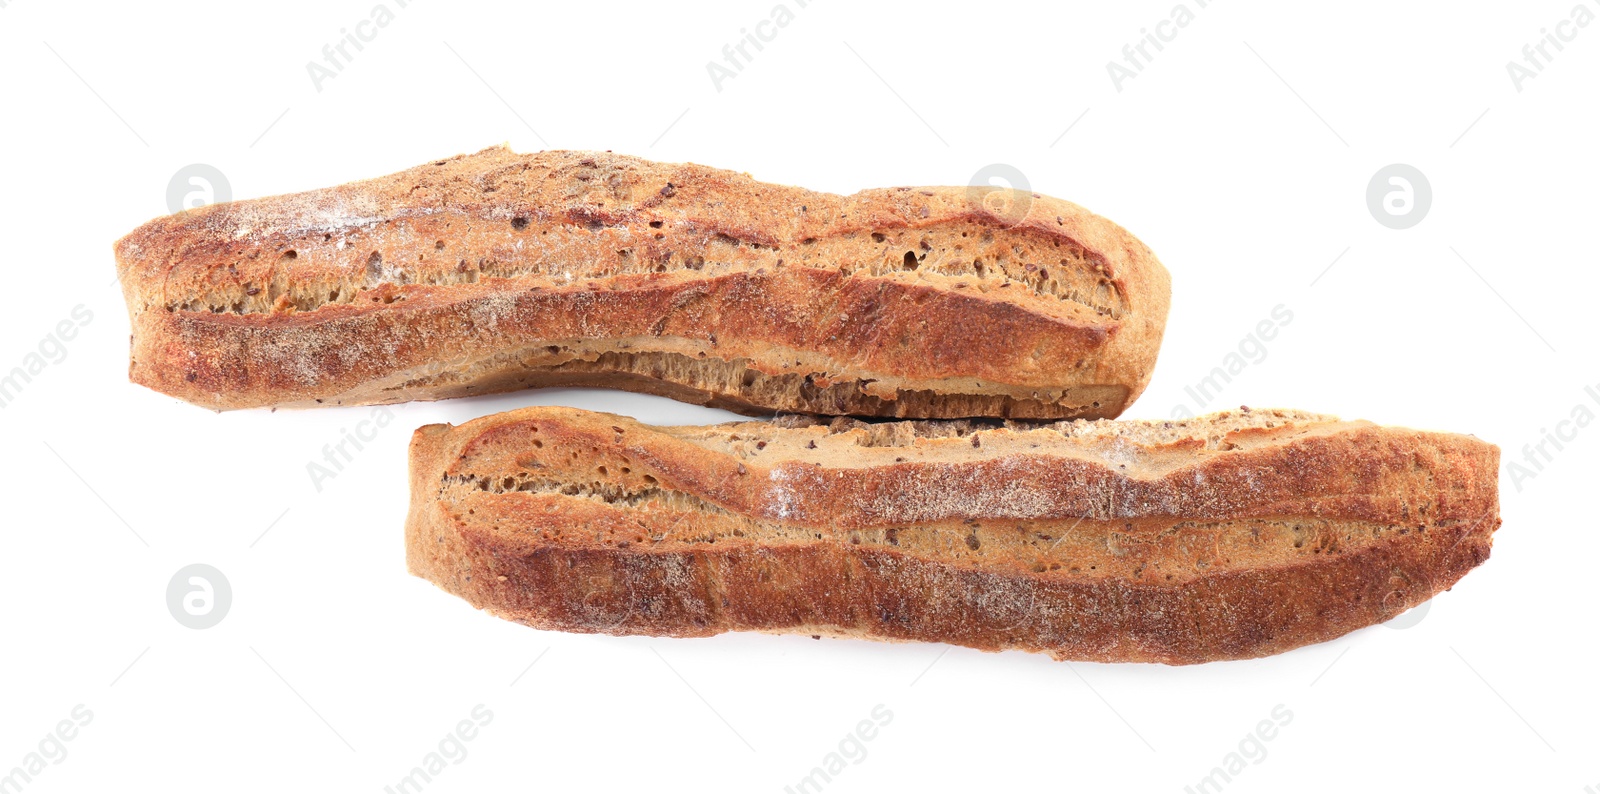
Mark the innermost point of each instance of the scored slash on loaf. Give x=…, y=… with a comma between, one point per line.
x=1230, y=536
x=499, y=271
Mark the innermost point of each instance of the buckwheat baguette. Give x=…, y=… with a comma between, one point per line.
x=499, y=271
x=1230, y=536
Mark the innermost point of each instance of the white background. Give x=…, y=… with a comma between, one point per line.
x=1241, y=154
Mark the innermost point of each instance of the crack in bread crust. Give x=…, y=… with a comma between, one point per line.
x=317, y=297
x=1228, y=536
x=947, y=254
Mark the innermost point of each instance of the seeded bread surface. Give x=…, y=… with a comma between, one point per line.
x=498, y=271
x=1230, y=536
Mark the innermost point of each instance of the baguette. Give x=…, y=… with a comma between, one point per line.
x=500, y=271
x=1231, y=536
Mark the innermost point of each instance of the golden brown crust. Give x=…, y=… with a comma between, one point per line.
x=498, y=271
x=1230, y=536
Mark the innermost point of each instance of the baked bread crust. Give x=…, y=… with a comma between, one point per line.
x=1230, y=536
x=498, y=271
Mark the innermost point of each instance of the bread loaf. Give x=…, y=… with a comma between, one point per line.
x=499, y=271
x=1230, y=536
